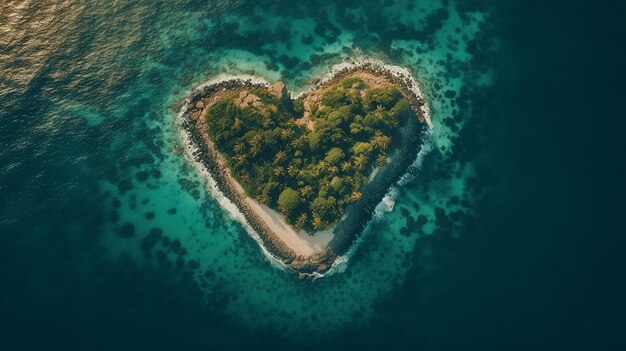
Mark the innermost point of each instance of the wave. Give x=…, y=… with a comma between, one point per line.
x=211, y=184
x=341, y=262
x=399, y=72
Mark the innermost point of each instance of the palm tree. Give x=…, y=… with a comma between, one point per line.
x=322, y=166
x=345, y=166
x=240, y=160
x=255, y=144
x=298, y=143
x=316, y=223
x=333, y=170
x=306, y=191
x=286, y=134
x=245, y=179
x=381, y=159
x=280, y=156
x=325, y=182
x=386, y=140
x=279, y=170
x=264, y=199
x=238, y=147
x=359, y=162
x=381, y=141
x=292, y=170
x=355, y=196
x=379, y=112
x=301, y=221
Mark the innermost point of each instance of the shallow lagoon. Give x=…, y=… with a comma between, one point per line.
x=140, y=214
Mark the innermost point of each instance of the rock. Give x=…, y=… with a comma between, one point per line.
x=251, y=99
x=302, y=276
x=272, y=66
x=404, y=211
x=421, y=220
x=200, y=104
x=124, y=186
x=456, y=215
x=321, y=268
x=156, y=233
x=127, y=230
x=410, y=222
x=278, y=89
x=142, y=176
x=175, y=245
x=165, y=241
x=449, y=94
x=296, y=264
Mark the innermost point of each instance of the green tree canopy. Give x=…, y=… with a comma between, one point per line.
x=308, y=171
x=334, y=156
x=383, y=96
x=288, y=201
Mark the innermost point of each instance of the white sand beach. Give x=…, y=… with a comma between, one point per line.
x=300, y=242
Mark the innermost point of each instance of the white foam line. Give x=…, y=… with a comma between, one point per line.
x=341, y=262
x=222, y=199
x=396, y=71
x=230, y=77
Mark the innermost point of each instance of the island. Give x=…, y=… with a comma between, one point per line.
x=307, y=172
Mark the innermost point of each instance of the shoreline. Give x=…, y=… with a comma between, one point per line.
x=262, y=223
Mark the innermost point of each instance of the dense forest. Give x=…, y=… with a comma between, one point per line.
x=309, y=175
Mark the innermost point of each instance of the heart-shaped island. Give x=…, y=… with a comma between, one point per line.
x=308, y=172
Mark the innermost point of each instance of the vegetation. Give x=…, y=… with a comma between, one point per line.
x=309, y=175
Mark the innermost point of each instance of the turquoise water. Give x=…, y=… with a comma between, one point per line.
x=261, y=296
x=116, y=88
x=106, y=224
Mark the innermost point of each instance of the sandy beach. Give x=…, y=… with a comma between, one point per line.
x=300, y=242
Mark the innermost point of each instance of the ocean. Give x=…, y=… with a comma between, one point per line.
x=504, y=235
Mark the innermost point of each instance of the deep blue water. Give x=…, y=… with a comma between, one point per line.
x=522, y=193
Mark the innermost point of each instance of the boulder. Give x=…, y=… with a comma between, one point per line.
x=278, y=90
x=321, y=268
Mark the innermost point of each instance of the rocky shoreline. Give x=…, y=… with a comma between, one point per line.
x=401, y=80
x=356, y=216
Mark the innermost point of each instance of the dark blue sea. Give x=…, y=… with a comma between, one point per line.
x=509, y=234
